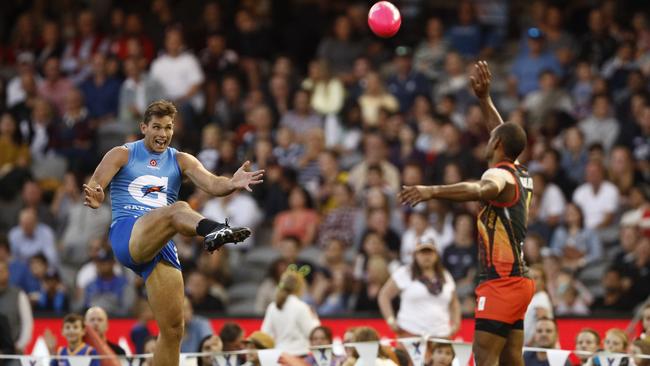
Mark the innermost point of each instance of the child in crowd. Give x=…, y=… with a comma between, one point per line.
x=588, y=340
x=615, y=341
x=288, y=151
x=73, y=331
x=442, y=354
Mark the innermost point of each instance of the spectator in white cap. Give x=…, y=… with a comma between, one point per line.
x=429, y=304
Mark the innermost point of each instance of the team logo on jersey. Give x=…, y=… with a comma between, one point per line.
x=152, y=189
x=149, y=190
x=153, y=162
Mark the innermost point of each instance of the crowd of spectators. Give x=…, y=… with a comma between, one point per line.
x=339, y=119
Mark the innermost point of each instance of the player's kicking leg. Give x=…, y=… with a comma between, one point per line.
x=152, y=231
x=150, y=235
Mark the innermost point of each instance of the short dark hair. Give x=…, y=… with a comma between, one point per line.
x=39, y=257
x=159, y=108
x=73, y=318
x=513, y=138
x=230, y=332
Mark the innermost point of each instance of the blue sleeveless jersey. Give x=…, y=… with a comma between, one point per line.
x=148, y=181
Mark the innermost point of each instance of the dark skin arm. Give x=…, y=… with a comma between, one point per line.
x=460, y=192
x=492, y=187
x=486, y=189
x=480, y=81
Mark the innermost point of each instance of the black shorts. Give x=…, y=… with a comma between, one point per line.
x=497, y=327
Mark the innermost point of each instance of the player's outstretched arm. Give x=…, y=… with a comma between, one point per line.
x=480, y=80
x=216, y=185
x=111, y=163
x=488, y=188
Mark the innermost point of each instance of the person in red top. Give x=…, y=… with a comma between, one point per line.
x=505, y=191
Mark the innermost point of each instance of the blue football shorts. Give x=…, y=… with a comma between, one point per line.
x=119, y=236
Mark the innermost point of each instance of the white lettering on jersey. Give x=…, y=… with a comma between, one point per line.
x=526, y=182
x=481, y=303
x=149, y=190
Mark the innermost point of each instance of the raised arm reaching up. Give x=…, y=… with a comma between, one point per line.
x=480, y=81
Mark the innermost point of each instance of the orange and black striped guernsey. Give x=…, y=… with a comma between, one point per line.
x=502, y=229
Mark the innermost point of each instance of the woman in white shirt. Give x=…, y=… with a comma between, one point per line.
x=429, y=305
x=288, y=319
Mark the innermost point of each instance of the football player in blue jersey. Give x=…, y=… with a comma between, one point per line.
x=145, y=177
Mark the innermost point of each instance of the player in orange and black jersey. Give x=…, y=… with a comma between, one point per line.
x=504, y=191
x=502, y=227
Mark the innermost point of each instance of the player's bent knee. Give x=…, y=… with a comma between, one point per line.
x=173, y=330
x=176, y=208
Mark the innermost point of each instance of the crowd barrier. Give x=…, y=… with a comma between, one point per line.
x=415, y=346
x=120, y=328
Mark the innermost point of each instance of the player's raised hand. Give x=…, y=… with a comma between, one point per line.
x=93, y=196
x=244, y=179
x=480, y=79
x=412, y=195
